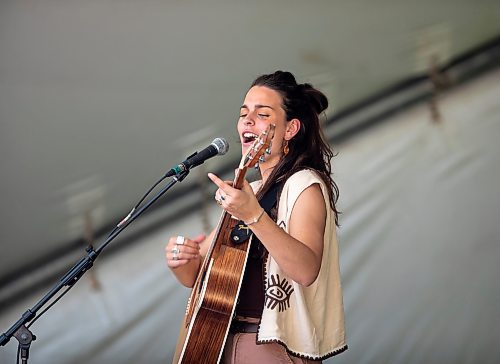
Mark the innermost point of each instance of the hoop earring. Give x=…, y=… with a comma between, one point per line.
x=286, y=149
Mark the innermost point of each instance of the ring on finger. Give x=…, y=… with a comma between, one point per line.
x=222, y=197
x=175, y=253
x=180, y=240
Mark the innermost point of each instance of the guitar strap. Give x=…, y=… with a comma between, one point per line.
x=241, y=232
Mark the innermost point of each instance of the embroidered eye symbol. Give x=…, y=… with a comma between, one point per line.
x=278, y=293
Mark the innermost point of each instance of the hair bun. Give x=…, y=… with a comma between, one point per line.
x=316, y=98
x=295, y=96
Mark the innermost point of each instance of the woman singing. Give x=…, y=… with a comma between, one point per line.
x=290, y=304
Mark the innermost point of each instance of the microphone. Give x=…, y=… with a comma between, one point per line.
x=218, y=146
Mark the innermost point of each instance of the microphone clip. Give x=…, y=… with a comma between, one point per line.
x=184, y=166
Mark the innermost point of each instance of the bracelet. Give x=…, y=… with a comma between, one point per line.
x=256, y=219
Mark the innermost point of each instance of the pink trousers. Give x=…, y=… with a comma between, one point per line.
x=241, y=348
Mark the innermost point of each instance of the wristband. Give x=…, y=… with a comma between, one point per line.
x=256, y=219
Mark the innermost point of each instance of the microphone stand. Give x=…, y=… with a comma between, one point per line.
x=20, y=330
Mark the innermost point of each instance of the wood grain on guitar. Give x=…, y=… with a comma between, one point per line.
x=213, y=298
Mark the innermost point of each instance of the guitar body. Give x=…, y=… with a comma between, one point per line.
x=211, y=305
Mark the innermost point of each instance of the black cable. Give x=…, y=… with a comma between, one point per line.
x=49, y=306
x=137, y=205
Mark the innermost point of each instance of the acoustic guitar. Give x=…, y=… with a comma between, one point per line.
x=211, y=306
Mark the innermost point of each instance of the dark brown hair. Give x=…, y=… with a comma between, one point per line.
x=308, y=148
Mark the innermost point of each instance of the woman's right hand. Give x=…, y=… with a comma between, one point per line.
x=180, y=250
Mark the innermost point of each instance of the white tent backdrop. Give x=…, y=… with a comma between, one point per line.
x=419, y=253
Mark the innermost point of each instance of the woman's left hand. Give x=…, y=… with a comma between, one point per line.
x=242, y=204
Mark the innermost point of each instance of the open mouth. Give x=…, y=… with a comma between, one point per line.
x=249, y=137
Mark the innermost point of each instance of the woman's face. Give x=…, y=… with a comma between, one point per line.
x=263, y=106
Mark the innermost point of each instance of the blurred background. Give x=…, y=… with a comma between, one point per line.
x=98, y=99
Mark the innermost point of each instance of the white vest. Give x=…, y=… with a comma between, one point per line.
x=308, y=321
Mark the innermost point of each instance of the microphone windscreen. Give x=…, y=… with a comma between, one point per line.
x=221, y=145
